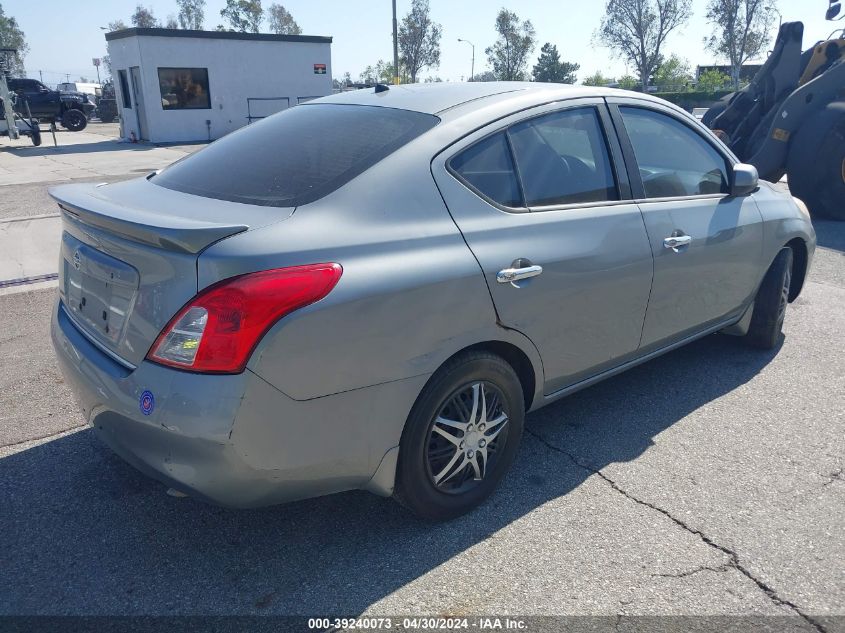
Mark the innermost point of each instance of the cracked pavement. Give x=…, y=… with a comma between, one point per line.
x=706, y=482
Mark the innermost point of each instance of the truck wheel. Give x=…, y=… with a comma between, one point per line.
x=713, y=112
x=74, y=120
x=816, y=163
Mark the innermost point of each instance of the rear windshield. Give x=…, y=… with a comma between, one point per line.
x=296, y=156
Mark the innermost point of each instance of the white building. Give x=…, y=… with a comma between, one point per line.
x=177, y=85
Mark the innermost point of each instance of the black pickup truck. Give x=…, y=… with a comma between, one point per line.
x=70, y=109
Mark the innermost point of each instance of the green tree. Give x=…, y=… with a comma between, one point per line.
x=549, y=68
x=191, y=14
x=627, y=82
x=740, y=30
x=281, y=21
x=11, y=36
x=509, y=55
x=117, y=25
x=381, y=73
x=597, y=79
x=143, y=18
x=243, y=16
x=419, y=39
x=172, y=22
x=712, y=80
x=673, y=73
x=487, y=75
x=636, y=30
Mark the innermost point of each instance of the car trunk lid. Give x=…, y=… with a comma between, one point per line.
x=129, y=257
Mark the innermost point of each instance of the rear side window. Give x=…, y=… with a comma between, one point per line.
x=563, y=159
x=487, y=167
x=674, y=160
x=297, y=156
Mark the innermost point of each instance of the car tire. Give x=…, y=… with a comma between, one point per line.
x=816, y=163
x=770, y=303
x=74, y=120
x=437, y=478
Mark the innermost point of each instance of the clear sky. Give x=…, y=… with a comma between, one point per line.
x=63, y=37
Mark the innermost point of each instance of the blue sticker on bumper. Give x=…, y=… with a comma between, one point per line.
x=147, y=402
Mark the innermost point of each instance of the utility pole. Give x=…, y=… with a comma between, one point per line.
x=41, y=76
x=472, y=71
x=395, y=47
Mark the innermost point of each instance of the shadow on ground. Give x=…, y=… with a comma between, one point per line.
x=84, y=533
x=106, y=145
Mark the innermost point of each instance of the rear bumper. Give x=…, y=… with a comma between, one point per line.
x=232, y=440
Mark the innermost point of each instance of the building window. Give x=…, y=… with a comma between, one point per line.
x=184, y=88
x=124, y=89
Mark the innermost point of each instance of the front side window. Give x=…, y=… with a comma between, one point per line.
x=563, y=159
x=488, y=168
x=184, y=88
x=673, y=159
x=296, y=156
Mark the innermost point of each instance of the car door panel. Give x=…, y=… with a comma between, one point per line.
x=680, y=179
x=585, y=312
x=709, y=280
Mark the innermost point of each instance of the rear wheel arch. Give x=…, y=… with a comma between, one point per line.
x=529, y=375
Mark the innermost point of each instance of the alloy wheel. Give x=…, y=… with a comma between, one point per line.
x=784, y=295
x=465, y=436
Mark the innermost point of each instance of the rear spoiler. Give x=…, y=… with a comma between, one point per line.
x=165, y=231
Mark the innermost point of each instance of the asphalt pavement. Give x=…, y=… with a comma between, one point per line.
x=706, y=482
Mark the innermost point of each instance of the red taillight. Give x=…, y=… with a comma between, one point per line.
x=218, y=329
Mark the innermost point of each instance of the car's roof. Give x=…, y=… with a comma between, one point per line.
x=436, y=98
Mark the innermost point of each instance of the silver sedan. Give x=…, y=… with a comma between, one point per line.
x=371, y=290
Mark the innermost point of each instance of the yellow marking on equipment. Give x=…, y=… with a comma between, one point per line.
x=780, y=135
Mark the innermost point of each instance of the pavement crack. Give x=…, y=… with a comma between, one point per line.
x=733, y=557
x=836, y=475
x=697, y=570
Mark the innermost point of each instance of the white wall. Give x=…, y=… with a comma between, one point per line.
x=237, y=69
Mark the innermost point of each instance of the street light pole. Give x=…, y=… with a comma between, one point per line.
x=472, y=68
x=395, y=48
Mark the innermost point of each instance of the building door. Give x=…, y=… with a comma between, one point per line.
x=140, y=112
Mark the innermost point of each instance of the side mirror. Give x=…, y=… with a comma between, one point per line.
x=745, y=179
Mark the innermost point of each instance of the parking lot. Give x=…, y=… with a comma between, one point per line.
x=706, y=482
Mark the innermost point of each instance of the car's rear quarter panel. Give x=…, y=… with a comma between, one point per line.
x=411, y=294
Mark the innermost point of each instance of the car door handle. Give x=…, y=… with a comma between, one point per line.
x=509, y=275
x=676, y=241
